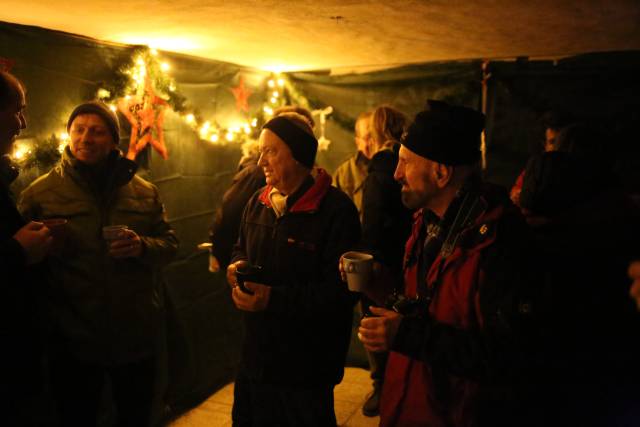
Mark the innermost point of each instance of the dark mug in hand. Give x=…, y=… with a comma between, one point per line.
x=248, y=273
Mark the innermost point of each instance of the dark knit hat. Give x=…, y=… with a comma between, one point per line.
x=302, y=144
x=101, y=109
x=447, y=134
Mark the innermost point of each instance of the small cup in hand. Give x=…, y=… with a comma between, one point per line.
x=248, y=273
x=58, y=229
x=359, y=268
x=113, y=232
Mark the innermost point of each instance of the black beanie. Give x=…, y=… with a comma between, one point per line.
x=101, y=109
x=303, y=145
x=446, y=134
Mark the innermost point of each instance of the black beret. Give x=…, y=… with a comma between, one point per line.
x=447, y=134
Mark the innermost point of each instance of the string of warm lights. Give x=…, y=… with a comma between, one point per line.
x=146, y=71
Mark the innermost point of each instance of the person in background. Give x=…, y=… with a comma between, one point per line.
x=248, y=179
x=22, y=246
x=554, y=122
x=586, y=230
x=634, y=274
x=386, y=222
x=297, y=312
x=454, y=330
x=350, y=175
x=104, y=295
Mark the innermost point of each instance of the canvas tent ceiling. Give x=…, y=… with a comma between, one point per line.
x=345, y=34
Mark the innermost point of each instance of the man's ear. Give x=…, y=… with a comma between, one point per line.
x=443, y=174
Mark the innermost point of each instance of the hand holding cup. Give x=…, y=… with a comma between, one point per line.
x=122, y=242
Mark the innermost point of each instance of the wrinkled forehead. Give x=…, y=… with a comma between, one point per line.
x=88, y=119
x=269, y=139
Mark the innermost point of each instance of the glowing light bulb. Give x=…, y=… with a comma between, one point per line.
x=153, y=52
x=63, y=136
x=113, y=108
x=165, y=66
x=229, y=136
x=271, y=83
x=103, y=93
x=268, y=110
x=140, y=61
x=275, y=94
x=274, y=100
x=214, y=137
x=190, y=118
x=20, y=151
x=254, y=122
x=281, y=82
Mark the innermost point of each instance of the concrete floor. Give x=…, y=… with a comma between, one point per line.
x=349, y=396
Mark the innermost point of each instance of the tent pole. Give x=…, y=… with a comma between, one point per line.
x=485, y=79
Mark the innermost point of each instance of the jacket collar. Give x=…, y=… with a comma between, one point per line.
x=310, y=200
x=119, y=169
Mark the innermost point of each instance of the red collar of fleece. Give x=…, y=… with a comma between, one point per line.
x=310, y=200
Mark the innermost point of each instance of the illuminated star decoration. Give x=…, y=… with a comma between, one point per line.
x=242, y=96
x=146, y=116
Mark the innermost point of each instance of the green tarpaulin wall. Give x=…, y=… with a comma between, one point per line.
x=203, y=329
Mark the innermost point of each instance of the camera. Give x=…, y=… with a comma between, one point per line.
x=248, y=273
x=406, y=306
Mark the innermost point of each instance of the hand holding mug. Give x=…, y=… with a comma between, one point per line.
x=125, y=244
x=35, y=239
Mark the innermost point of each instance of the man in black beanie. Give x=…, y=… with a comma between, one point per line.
x=297, y=312
x=451, y=331
x=104, y=304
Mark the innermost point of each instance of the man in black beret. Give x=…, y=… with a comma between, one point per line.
x=466, y=272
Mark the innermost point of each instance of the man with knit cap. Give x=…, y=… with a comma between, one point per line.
x=451, y=331
x=297, y=311
x=103, y=300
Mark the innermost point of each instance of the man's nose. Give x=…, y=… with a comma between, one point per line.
x=23, y=121
x=86, y=136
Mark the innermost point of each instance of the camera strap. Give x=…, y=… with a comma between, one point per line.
x=461, y=214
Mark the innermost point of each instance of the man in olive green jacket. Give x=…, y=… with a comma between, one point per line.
x=104, y=301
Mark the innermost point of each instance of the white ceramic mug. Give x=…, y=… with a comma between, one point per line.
x=359, y=267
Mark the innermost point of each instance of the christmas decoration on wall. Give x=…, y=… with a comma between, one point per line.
x=145, y=113
x=323, y=143
x=242, y=96
x=39, y=153
x=142, y=90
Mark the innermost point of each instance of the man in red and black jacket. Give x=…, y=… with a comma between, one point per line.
x=297, y=310
x=459, y=332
